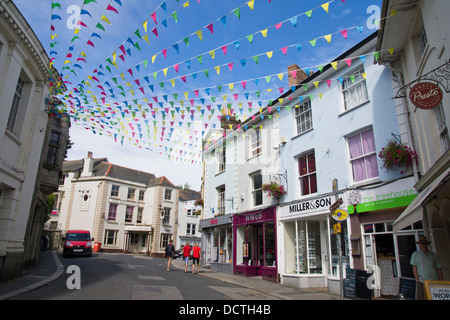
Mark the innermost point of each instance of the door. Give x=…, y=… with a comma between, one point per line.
x=134, y=242
x=405, y=246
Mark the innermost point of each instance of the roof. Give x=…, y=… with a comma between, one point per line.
x=189, y=194
x=75, y=165
x=160, y=181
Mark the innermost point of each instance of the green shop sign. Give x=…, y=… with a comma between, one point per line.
x=394, y=195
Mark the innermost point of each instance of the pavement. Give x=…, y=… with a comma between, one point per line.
x=50, y=268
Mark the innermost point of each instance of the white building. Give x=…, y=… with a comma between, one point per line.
x=124, y=209
x=32, y=144
x=189, y=215
x=418, y=32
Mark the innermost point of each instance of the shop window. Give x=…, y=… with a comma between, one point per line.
x=334, y=241
x=222, y=245
x=363, y=156
x=307, y=173
x=303, y=247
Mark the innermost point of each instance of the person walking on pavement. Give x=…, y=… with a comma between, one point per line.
x=186, y=255
x=196, y=257
x=426, y=266
x=170, y=250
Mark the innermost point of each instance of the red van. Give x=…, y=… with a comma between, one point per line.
x=77, y=242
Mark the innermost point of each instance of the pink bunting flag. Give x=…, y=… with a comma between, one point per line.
x=224, y=49
x=196, y=93
x=235, y=95
x=176, y=67
x=130, y=71
x=122, y=48
x=294, y=74
x=155, y=31
x=244, y=84
x=183, y=78
x=90, y=43
x=230, y=66
x=111, y=8
x=281, y=89
x=349, y=62
x=278, y=26
x=344, y=33
x=328, y=83
x=164, y=52
x=154, y=17
x=210, y=28
x=142, y=90
x=284, y=50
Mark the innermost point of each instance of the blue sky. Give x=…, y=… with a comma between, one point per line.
x=269, y=26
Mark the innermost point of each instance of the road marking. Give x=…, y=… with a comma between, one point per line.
x=147, y=292
x=141, y=277
x=242, y=293
x=130, y=266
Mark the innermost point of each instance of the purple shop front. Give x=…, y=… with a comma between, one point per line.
x=254, y=244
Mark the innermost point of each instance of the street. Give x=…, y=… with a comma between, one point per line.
x=134, y=277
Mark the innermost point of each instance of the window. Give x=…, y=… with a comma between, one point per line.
x=307, y=173
x=112, y=214
x=15, y=105
x=257, y=189
x=168, y=194
x=256, y=143
x=221, y=200
x=442, y=127
x=222, y=158
x=166, y=219
x=115, y=191
x=354, y=90
x=141, y=195
x=62, y=178
x=190, y=229
x=53, y=148
x=139, y=215
x=189, y=212
x=111, y=237
x=363, y=156
x=420, y=42
x=131, y=193
x=303, y=117
x=129, y=214
x=164, y=240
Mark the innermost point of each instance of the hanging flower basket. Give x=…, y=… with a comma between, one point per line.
x=394, y=154
x=199, y=202
x=275, y=190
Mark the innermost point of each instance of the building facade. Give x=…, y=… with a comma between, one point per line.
x=417, y=32
x=189, y=216
x=32, y=143
x=124, y=209
x=333, y=132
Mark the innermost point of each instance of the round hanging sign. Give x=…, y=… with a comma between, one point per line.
x=426, y=95
x=340, y=215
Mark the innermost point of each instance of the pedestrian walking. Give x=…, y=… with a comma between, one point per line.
x=426, y=266
x=186, y=255
x=170, y=250
x=196, y=257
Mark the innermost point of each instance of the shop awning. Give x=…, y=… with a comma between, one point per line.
x=414, y=212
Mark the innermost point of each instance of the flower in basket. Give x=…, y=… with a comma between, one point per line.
x=394, y=154
x=275, y=190
x=198, y=202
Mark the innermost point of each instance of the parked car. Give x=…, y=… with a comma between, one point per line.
x=178, y=254
x=77, y=242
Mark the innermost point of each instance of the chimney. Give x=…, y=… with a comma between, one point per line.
x=228, y=117
x=300, y=75
x=88, y=166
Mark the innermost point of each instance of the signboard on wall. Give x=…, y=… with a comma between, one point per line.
x=399, y=193
x=426, y=95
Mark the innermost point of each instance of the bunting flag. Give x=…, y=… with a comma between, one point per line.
x=146, y=104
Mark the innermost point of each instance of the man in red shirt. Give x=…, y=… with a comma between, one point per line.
x=196, y=257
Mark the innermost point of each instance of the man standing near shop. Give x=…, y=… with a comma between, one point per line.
x=426, y=266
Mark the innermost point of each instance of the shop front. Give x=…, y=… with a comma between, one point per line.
x=308, y=254
x=376, y=248
x=255, y=247
x=216, y=243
